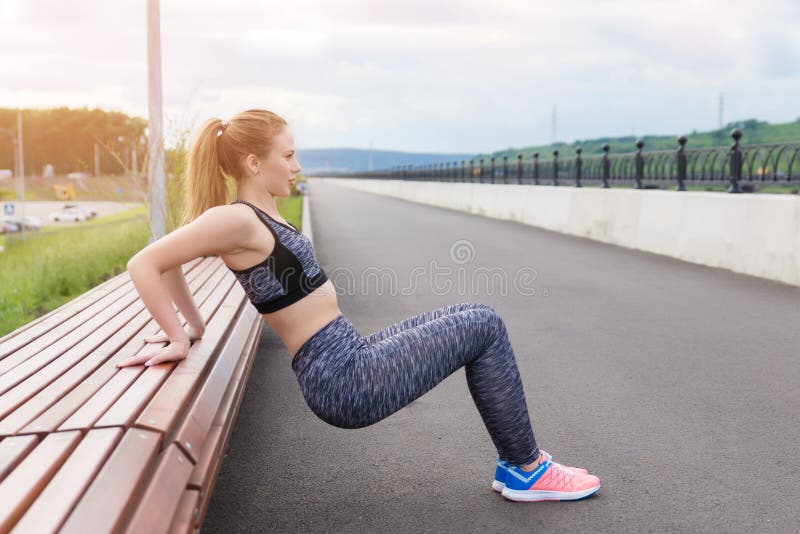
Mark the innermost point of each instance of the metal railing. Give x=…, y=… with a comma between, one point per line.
x=736, y=165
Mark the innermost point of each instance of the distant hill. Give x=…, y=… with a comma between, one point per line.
x=753, y=132
x=321, y=160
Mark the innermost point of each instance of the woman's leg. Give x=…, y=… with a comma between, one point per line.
x=361, y=386
x=423, y=317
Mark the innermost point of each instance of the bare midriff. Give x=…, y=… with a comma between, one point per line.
x=296, y=323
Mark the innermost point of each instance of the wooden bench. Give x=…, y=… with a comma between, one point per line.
x=86, y=447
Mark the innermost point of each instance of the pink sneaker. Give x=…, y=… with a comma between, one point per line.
x=501, y=471
x=548, y=482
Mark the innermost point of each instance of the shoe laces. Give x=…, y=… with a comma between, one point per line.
x=562, y=473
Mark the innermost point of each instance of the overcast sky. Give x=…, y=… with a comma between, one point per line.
x=417, y=75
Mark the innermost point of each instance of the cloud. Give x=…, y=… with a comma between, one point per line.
x=429, y=76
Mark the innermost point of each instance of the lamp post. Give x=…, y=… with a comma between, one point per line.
x=156, y=177
x=19, y=167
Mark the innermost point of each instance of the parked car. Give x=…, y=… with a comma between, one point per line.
x=68, y=214
x=29, y=221
x=8, y=227
x=88, y=211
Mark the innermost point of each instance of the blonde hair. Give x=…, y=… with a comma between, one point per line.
x=218, y=150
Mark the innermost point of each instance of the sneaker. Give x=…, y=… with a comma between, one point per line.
x=548, y=482
x=502, y=468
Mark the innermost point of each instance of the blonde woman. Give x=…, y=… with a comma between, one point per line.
x=348, y=380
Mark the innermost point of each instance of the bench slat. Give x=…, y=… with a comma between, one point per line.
x=57, y=500
x=28, y=479
x=159, y=503
x=116, y=485
x=192, y=432
x=186, y=515
x=206, y=469
x=13, y=450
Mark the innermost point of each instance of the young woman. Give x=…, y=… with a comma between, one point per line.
x=348, y=380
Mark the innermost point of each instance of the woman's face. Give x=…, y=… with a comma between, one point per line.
x=278, y=169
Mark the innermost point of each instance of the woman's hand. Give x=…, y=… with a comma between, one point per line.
x=193, y=332
x=176, y=350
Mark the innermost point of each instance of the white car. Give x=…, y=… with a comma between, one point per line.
x=68, y=214
x=31, y=222
x=90, y=213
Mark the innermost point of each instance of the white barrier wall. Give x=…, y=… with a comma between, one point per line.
x=757, y=234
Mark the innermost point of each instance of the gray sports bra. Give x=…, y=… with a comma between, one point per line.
x=290, y=273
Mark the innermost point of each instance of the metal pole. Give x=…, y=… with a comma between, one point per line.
x=156, y=178
x=21, y=159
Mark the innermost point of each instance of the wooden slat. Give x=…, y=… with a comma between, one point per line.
x=54, y=504
x=28, y=479
x=57, y=397
x=111, y=495
x=206, y=469
x=196, y=423
x=13, y=450
x=186, y=515
x=159, y=503
x=169, y=402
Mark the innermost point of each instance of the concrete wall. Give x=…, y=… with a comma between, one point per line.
x=757, y=234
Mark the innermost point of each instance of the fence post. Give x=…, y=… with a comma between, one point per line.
x=555, y=167
x=481, y=173
x=519, y=168
x=471, y=170
x=606, y=166
x=736, y=162
x=492, y=174
x=536, y=168
x=505, y=168
x=681, y=164
x=578, y=167
x=639, y=164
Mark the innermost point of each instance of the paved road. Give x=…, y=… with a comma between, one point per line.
x=677, y=384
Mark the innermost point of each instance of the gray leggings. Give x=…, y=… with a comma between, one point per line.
x=352, y=381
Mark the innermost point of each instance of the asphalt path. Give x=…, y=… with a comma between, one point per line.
x=677, y=384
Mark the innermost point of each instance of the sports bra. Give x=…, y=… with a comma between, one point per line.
x=288, y=274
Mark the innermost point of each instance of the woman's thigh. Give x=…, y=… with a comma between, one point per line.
x=372, y=381
x=421, y=318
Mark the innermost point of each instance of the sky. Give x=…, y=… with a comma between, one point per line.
x=418, y=75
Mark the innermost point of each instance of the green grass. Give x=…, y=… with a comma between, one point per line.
x=291, y=209
x=53, y=266
x=57, y=264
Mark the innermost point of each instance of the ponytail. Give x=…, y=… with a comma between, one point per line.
x=204, y=183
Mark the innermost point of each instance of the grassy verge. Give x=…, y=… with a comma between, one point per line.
x=58, y=263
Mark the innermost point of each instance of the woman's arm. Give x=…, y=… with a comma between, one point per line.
x=217, y=230
x=182, y=297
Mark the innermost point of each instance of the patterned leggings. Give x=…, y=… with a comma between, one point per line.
x=352, y=381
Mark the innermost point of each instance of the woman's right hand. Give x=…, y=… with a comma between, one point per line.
x=193, y=333
x=175, y=351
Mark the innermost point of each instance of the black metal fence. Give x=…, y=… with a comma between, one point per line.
x=737, y=165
